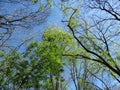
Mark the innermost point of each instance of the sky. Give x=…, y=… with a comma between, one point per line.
x=54, y=19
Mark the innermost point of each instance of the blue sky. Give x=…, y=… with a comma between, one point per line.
x=54, y=19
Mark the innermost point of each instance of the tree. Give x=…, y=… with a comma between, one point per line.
x=40, y=67
x=95, y=39
x=22, y=18
x=55, y=43
x=90, y=50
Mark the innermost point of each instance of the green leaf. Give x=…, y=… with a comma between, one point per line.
x=34, y=1
x=1, y=54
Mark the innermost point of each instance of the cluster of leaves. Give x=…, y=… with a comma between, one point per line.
x=43, y=3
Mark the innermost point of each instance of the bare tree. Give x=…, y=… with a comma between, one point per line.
x=18, y=15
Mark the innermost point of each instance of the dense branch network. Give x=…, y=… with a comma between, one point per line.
x=21, y=18
x=101, y=59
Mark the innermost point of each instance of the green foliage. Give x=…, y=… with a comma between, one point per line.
x=56, y=42
x=50, y=3
x=41, y=65
x=1, y=54
x=42, y=3
x=42, y=6
x=34, y=1
x=34, y=67
x=74, y=23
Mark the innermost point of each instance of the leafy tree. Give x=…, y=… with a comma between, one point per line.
x=55, y=43
x=40, y=66
x=95, y=40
